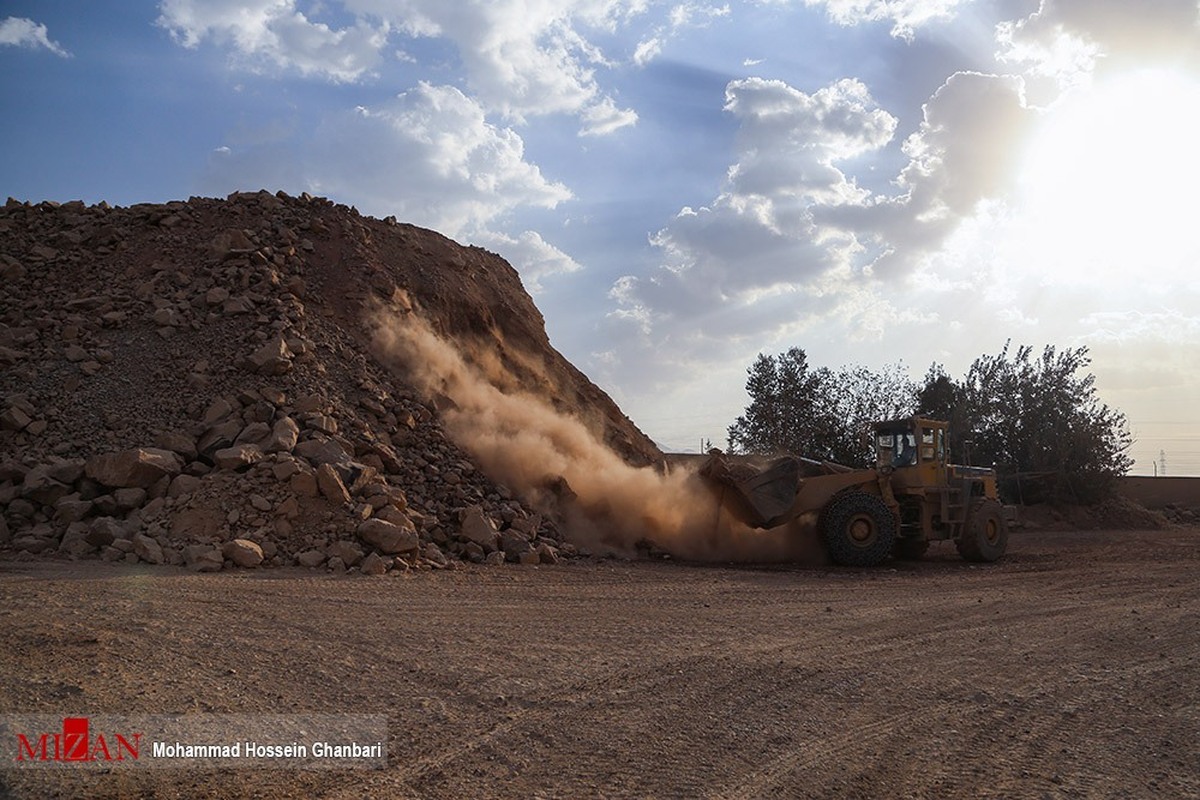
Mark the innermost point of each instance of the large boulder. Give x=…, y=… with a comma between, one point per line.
x=104, y=530
x=71, y=509
x=283, y=436
x=253, y=433
x=40, y=487
x=238, y=457
x=139, y=468
x=330, y=484
x=322, y=450
x=182, y=485
x=434, y=553
x=515, y=545
x=374, y=565
x=243, y=552
x=147, y=549
x=179, y=443
x=203, y=558
x=218, y=437
x=67, y=472
x=478, y=528
x=229, y=243
x=311, y=558
x=388, y=537
x=14, y=419
x=273, y=358
x=219, y=409
x=129, y=498
x=348, y=552
x=74, y=541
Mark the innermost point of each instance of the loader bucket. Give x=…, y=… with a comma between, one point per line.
x=758, y=497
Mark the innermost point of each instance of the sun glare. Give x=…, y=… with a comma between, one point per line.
x=1111, y=179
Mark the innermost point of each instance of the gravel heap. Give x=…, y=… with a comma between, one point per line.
x=191, y=383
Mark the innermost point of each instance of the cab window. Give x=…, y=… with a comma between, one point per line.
x=927, y=444
x=906, y=450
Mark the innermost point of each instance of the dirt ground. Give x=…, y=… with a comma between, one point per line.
x=1071, y=669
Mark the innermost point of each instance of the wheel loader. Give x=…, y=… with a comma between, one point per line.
x=911, y=497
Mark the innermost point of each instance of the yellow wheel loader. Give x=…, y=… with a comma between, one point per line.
x=911, y=497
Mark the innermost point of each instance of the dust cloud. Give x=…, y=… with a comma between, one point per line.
x=557, y=465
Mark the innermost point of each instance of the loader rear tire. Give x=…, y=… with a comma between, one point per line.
x=859, y=529
x=985, y=534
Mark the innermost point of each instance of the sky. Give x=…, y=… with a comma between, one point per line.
x=685, y=184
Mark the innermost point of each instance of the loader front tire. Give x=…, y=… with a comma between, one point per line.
x=859, y=529
x=985, y=535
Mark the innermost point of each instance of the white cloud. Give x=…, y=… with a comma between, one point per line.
x=695, y=14
x=966, y=147
x=648, y=50
x=604, y=117
x=1064, y=58
x=531, y=255
x=965, y=151
x=793, y=245
x=754, y=259
x=276, y=33
x=682, y=16
x=905, y=15
x=22, y=32
x=789, y=141
x=1167, y=327
x=522, y=58
x=1069, y=39
x=429, y=156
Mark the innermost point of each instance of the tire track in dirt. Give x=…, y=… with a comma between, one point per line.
x=1052, y=620
x=1076, y=661
x=765, y=781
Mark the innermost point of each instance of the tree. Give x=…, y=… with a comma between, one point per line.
x=787, y=411
x=1038, y=420
x=940, y=397
x=860, y=397
x=818, y=413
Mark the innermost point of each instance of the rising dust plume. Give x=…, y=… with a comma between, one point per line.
x=520, y=441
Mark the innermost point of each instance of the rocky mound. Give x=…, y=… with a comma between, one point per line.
x=1116, y=513
x=1181, y=515
x=192, y=383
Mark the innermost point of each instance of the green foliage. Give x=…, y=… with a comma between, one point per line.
x=1036, y=419
x=819, y=413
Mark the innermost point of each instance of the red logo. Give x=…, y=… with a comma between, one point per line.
x=75, y=743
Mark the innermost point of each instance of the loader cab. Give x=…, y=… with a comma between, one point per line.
x=914, y=444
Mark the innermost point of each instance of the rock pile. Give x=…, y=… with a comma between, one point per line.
x=190, y=384
x=1180, y=514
